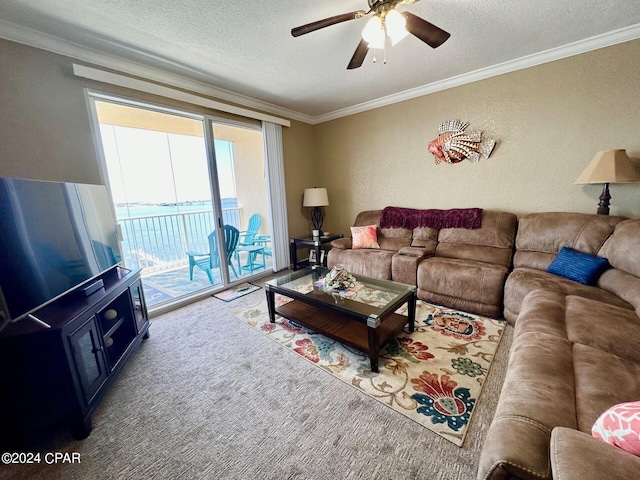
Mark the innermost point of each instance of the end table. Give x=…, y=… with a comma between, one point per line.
x=314, y=242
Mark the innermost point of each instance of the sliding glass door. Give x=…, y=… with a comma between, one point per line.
x=184, y=189
x=242, y=183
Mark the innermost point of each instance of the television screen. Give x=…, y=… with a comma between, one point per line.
x=53, y=237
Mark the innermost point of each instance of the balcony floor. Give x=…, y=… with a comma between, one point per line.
x=170, y=284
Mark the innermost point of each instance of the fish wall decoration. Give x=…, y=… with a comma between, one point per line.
x=452, y=145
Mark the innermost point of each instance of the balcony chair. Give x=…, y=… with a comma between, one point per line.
x=261, y=246
x=247, y=236
x=208, y=261
x=253, y=244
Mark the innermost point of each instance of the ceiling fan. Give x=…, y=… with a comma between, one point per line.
x=387, y=21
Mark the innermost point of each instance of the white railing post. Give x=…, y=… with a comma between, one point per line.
x=185, y=236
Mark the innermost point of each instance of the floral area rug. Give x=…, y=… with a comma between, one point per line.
x=433, y=375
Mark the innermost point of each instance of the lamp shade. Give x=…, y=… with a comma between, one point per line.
x=611, y=166
x=315, y=197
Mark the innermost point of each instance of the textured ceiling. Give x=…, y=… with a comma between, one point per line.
x=245, y=46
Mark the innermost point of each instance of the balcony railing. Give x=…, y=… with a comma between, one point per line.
x=159, y=242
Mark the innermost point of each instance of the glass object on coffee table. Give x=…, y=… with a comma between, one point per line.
x=362, y=317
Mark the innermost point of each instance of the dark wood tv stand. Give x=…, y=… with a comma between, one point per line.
x=53, y=377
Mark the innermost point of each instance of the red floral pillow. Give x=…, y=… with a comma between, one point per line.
x=364, y=237
x=620, y=426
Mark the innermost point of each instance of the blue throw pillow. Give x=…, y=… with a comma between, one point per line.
x=578, y=266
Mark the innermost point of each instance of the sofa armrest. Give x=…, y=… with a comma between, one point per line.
x=418, y=252
x=342, y=243
x=404, y=264
x=578, y=456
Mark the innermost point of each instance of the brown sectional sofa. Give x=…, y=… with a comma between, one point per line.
x=574, y=354
x=458, y=267
x=576, y=349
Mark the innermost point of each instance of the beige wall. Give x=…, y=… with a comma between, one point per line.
x=300, y=173
x=549, y=122
x=44, y=122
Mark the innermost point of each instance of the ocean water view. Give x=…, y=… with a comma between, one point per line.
x=157, y=236
x=147, y=210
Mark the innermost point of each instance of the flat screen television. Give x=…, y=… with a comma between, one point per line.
x=54, y=237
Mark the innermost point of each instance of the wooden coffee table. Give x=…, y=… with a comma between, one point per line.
x=363, y=319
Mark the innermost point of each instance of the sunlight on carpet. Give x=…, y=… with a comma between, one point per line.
x=433, y=375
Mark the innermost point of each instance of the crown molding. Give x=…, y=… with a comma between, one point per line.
x=33, y=38
x=53, y=44
x=593, y=43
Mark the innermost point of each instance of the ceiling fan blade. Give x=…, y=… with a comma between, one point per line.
x=359, y=55
x=327, y=22
x=425, y=31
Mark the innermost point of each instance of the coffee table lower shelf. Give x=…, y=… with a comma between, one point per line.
x=343, y=328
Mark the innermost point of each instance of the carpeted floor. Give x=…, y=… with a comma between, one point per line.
x=433, y=375
x=189, y=405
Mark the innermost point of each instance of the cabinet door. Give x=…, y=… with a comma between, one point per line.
x=88, y=356
x=139, y=305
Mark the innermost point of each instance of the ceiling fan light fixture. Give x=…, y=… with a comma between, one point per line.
x=395, y=25
x=373, y=33
x=386, y=22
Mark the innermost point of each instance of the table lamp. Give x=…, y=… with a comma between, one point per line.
x=611, y=166
x=316, y=198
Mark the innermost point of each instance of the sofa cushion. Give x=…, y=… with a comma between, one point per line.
x=578, y=266
x=368, y=217
x=622, y=284
x=601, y=381
x=620, y=426
x=368, y=262
x=531, y=404
x=541, y=236
x=341, y=243
x=578, y=456
x=364, y=237
x=523, y=280
x=491, y=243
x=608, y=328
x=621, y=249
x=464, y=284
x=404, y=265
x=623, y=246
x=424, y=237
x=394, y=239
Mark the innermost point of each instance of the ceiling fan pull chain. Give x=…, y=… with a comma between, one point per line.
x=384, y=56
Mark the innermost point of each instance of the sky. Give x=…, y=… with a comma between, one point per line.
x=156, y=167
